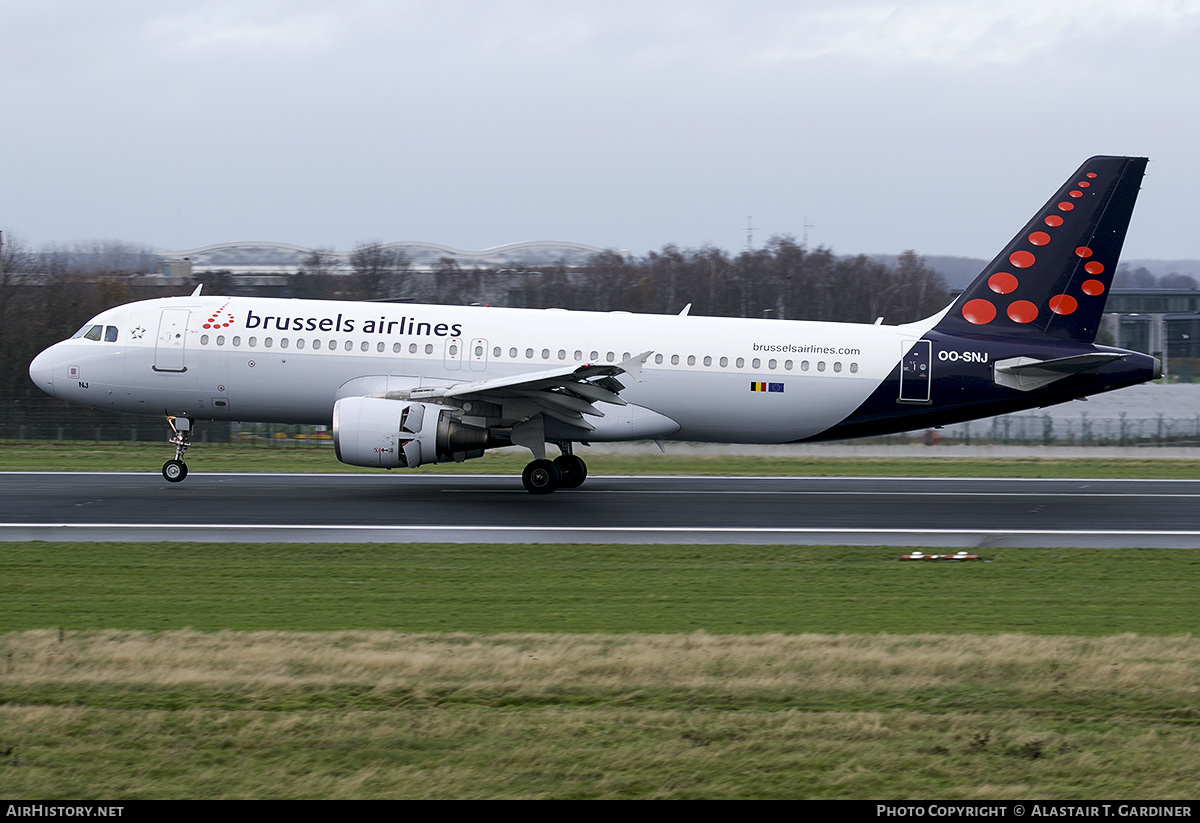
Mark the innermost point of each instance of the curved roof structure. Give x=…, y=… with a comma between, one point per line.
x=272, y=257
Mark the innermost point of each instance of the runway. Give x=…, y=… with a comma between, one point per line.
x=933, y=512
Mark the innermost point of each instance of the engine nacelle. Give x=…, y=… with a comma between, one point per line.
x=394, y=434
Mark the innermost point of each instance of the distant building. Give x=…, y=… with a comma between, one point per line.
x=1157, y=321
x=245, y=257
x=175, y=268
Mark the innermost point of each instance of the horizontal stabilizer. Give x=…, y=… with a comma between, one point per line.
x=1027, y=373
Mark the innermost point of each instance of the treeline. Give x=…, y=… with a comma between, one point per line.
x=782, y=280
x=1143, y=278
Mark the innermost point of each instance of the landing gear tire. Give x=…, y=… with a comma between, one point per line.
x=174, y=470
x=541, y=477
x=573, y=470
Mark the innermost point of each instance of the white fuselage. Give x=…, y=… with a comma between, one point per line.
x=259, y=359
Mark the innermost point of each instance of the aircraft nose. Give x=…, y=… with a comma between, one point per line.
x=41, y=371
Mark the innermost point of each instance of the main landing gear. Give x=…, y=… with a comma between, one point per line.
x=175, y=470
x=545, y=476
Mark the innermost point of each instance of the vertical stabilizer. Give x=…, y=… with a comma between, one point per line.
x=1053, y=279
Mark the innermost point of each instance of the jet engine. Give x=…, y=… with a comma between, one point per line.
x=388, y=434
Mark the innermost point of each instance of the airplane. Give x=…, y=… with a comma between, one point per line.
x=403, y=385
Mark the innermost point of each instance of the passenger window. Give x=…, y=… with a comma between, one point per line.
x=741, y=361
x=512, y=353
x=803, y=365
x=545, y=354
x=204, y=340
x=595, y=355
x=496, y=352
x=854, y=368
x=820, y=365
x=772, y=363
x=283, y=342
x=316, y=344
x=837, y=367
x=396, y=348
x=724, y=362
x=266, y=342
x=562, y=354
x=658, y=358
x=299, y=342
x=707, y=360
x=349, y=345
x=379, y=346
x=110, y=334
x=220, y=340
x=787, y=364
x=755, y=363
x=578, y=355
x=252, y=342
x=612, y=356
x=691, y=359
x=429, y=348
x=333, y=345
x=674, y=360
x=237, y=341
x=412, y=348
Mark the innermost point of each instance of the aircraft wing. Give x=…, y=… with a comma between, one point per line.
x=564, y=394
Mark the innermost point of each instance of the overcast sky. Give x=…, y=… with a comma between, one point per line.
x=936, y=125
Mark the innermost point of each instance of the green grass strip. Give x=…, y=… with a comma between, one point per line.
x=592, y=588
x=288, y=457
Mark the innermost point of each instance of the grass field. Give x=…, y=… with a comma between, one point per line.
x=209, y=670
x=341, y=671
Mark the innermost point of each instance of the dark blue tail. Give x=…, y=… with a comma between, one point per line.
x=1053, y=279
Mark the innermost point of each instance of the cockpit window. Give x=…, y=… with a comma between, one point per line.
x=97, y=332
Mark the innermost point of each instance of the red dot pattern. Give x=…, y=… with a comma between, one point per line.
x=1022, y=259
x=1002, y=283
x=215, y=321
x=1022, y=311
x=1063, y=304
x=980, y=311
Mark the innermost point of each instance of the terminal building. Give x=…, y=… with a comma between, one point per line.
x=265, y=258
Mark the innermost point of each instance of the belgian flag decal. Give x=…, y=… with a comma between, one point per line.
x=775, y=387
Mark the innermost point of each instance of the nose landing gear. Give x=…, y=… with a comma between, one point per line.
x=173, y=471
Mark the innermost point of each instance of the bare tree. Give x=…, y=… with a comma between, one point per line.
x=315, y=279
x=379, y=272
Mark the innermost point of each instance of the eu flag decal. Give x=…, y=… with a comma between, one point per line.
x=775, y=387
